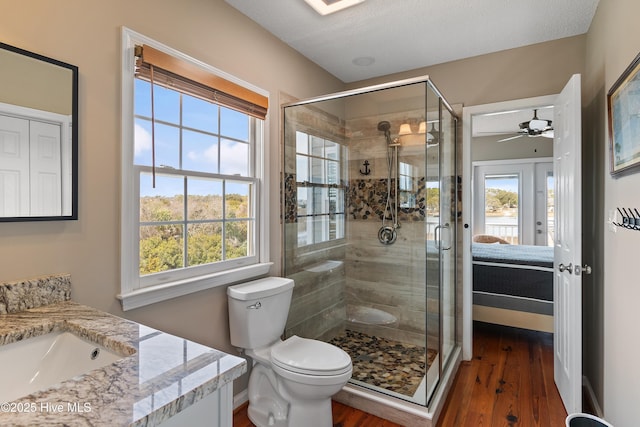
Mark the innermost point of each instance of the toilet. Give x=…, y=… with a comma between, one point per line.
x=291, y=381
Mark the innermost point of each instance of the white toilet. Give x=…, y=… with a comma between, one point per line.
x=291, y=381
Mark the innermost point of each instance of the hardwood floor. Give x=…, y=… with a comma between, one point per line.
x=509, y=382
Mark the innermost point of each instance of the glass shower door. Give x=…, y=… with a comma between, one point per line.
x=440, y=224
x=369, y=232
x=448, y=221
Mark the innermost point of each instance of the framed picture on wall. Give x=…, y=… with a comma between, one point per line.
x=623, y=103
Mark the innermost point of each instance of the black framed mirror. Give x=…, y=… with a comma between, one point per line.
x=38, y=137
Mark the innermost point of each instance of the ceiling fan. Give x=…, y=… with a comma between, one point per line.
x=533, y=128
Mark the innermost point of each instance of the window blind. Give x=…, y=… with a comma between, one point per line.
x=183, y=76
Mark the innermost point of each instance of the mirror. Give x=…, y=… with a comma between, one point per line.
x=38, y=137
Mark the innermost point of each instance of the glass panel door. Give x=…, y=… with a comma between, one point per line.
x=441, y=220
x=434, y=232
x=448, y=221
x=501, y=206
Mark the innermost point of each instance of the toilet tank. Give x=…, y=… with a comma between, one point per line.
x=258, y=311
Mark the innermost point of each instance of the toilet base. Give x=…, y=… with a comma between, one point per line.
x=261, y=416
x=277, y=402
x=266, y=407
x=316, y=413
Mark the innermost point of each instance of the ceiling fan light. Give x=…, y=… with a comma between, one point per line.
x=537, y=124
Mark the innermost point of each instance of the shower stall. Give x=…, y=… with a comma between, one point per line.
x=370, y=218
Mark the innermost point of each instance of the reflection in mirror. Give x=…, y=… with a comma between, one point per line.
x=38, y=137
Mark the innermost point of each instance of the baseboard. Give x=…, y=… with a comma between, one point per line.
x=591, y=397
x=240, y=399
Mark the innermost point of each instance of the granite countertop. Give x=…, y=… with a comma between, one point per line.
x=159, y=375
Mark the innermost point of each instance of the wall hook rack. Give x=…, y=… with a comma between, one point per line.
x=630, y=219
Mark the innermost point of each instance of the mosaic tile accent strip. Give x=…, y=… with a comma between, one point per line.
x=290, y=213
x=385, y=363
x=367, y=199
x=21, y=295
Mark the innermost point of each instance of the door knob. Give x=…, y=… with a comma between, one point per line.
x=568, y=268
x=585, y=269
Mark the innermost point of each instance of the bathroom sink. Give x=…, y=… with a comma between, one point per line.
x=40, y=362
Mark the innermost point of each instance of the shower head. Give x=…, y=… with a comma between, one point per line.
x=384, y=126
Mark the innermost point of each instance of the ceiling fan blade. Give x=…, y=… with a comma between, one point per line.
x=509, y=139
x=489, y=133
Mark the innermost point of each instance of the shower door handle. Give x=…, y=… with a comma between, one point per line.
x=437, y=237
x=446, y=227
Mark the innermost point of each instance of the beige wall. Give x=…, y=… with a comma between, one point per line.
x=488, y=148
x=536, y=70
x=612, y=297
x=33, y=83
x=87, y=34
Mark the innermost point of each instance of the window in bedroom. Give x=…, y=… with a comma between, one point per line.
x=513, y=200
x=192, y=176
x=501, y=206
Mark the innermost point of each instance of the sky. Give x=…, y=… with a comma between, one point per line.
x=204, y=149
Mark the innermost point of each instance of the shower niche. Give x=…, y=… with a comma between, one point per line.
x=369, y=218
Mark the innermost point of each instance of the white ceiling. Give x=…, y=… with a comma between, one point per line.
x=401, y=35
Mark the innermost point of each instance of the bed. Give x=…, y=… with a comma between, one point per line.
x=513, y=285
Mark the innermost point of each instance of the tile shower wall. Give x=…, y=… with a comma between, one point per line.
x=318, y=302
x=360, y=271
x=392, y=277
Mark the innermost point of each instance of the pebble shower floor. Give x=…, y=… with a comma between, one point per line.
x=392, y=365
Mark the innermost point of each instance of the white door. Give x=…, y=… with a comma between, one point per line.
x=14, y=166
x=45, y=169
x=567, y=280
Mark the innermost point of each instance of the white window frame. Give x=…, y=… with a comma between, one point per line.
x=134, y=292
x=309, y=219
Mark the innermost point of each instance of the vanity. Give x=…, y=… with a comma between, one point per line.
x=153, y=379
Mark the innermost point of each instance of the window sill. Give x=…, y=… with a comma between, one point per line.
x=153, y=294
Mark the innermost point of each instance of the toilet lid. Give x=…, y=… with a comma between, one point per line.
x=308, y=356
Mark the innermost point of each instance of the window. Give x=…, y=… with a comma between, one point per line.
x=501, y=208
x=192, y=175
x=406, y=179
x=321, y=193
x=513, y=200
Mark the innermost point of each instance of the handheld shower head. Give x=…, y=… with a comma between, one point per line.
x=384, y=126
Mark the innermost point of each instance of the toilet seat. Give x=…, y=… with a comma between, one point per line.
x=310, y=357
